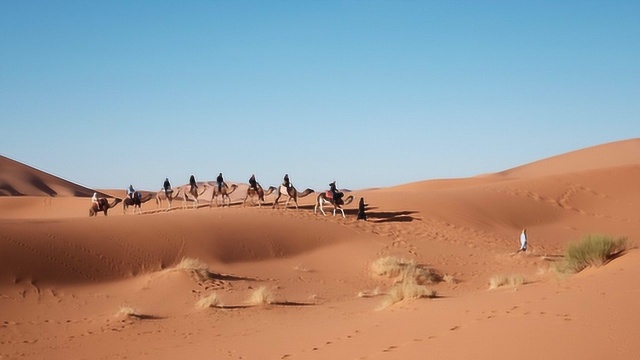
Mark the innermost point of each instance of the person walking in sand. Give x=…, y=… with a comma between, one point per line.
x=523, y=240
x=362, y=215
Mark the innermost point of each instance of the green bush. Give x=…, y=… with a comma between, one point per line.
x=592, y=250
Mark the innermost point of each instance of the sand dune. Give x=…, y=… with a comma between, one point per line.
x=67, y=281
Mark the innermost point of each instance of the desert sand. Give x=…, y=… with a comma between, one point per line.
x=118, y=287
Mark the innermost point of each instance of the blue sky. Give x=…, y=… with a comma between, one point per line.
x=368, y=93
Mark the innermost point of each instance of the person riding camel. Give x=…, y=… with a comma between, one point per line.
x=220, y=181
x=130, y=191
x=286, y=181
x=167, y=187
x=95, y=200
x=252, y=182
x=192, y=182
x=335, y=194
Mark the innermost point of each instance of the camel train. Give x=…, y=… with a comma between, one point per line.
x=255, y=196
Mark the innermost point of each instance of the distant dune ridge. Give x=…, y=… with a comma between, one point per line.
x=18, y=179
x=117, y=286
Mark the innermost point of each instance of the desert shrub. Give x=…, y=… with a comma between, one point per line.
x=261, y=296
x=506, y=280
x=210, y=301
x=409, y=280
x=592, y=250
x=194, y=265
x=403, y=270
x=406, y=290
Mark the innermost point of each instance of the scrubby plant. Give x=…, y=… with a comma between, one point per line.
x=406, y=290
x=261, y=296
x=403, y=270
x=409, y=280
x=592, y=250
x=210, y=301
x=194, y=265
x=506, y=280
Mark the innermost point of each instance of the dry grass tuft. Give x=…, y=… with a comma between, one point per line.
x=405, y=291
x=261, y=296
x=409, y=280
x=404, y=270
x=128, y=311
x=367, y=294
x=592, y=250
x=196, y=266
x=512, y=280
x=210, y=301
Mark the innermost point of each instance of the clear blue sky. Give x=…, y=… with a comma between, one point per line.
x=369, y=93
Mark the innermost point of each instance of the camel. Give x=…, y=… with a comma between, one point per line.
x=162, y=195
x=291, y=193
x=103, y=205
x=193, y=193
x=326, y=198
x=258, y=192
x=136, y=202
x=225, y=191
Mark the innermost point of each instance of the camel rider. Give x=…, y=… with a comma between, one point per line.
x=192, y=182
x=94, y=200
x=252, y=182
x=335, y=194
x=286, y=181
x=167, y=187
x=220, y=181
x=130, y=192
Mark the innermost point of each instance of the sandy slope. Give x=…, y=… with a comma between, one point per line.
x=64, y=276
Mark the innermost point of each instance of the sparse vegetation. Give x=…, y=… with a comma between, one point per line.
x=403, y=270
x=210, y=301
x=261, y=296
x=409, y=280
x=130, y=312
x=512, y=280
x=592, y=250
x=194, y=265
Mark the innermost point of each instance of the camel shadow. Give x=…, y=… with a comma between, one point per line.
x=227, y=277
x=388, y=216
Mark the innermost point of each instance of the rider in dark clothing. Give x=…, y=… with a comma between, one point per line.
x=286, y=181
x=167, y=186
x=252, y=182
x=192, y=182
x=362, y=215
x=335, y=194
x=220, y=181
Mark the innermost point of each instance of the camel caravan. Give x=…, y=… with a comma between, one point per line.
x=221, y=195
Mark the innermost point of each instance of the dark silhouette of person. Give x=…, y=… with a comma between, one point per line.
x=220, y=181
x=167, y=186
x=252, y=182
x=362, y=215
x=192, y=182
x=286, y=181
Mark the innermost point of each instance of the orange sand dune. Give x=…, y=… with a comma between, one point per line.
x=65, y=277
